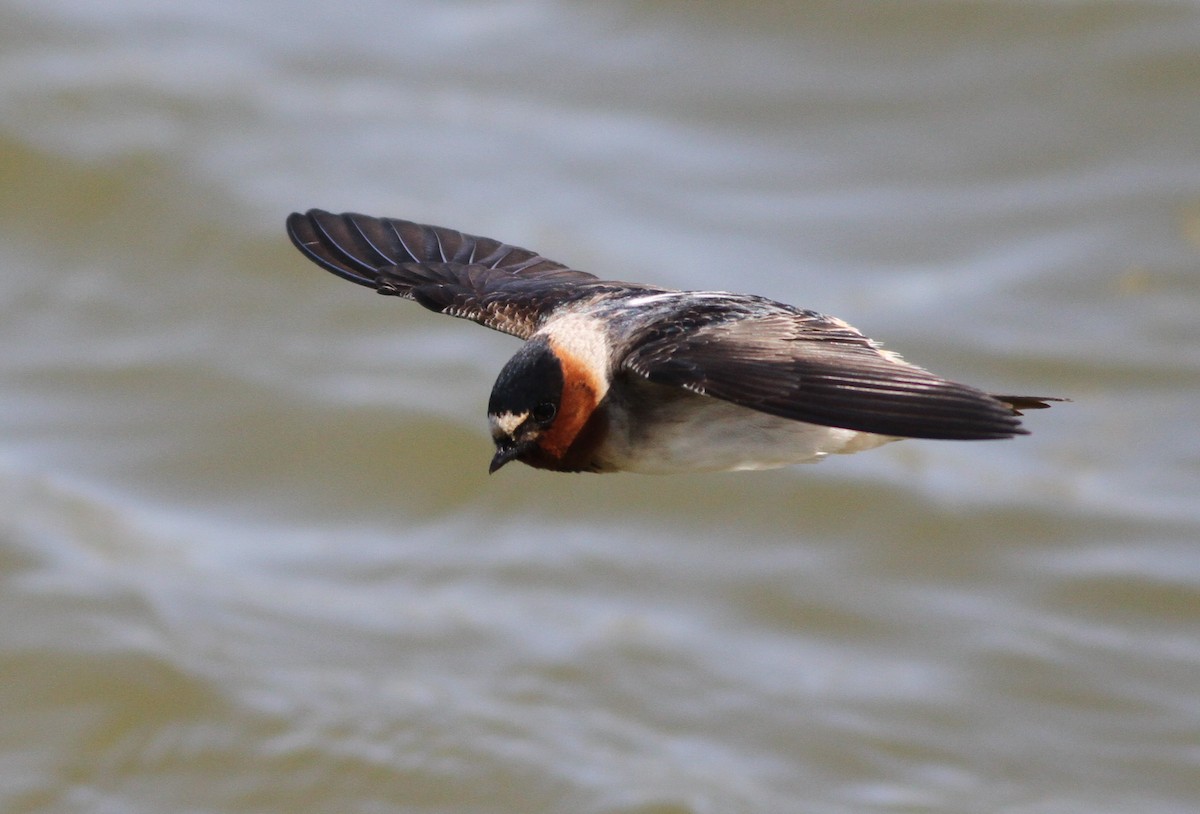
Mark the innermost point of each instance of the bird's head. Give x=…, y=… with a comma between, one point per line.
x=525, y=402
x=540, y=404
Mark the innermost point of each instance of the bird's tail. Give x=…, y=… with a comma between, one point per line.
x=1019, y=403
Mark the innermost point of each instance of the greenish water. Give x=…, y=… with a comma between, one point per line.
x=250, y=557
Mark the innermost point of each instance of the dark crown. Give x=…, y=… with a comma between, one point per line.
x=533, y=376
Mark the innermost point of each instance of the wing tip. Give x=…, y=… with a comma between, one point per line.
x=314, y=233
x=1007, y=424
x=990, y=417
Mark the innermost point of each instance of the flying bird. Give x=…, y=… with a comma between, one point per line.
x=617, y=376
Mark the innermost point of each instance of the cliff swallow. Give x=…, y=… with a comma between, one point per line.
x=618, y=376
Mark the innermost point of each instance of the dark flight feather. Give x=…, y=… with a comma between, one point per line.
x=805, y=366
x=503, y=287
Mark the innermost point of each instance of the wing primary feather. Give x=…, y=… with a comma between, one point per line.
x=384, y=259
x=311, y=236
x=400, y=239
x=440, y=246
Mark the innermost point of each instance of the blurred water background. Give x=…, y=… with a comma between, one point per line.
x=250, y=557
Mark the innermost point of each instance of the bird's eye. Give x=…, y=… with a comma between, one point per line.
x=544, y=412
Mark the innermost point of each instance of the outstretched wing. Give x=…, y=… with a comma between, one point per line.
x=809, y=367
x=503, y=287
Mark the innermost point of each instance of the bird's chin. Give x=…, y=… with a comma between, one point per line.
x=510, y=452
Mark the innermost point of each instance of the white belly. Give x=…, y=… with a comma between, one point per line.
x=680, y=431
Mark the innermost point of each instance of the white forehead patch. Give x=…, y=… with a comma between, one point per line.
x=505, y=425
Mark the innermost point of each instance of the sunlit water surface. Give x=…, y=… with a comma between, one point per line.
x=250, y=558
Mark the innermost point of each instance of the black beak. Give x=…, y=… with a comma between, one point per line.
x=504, y=454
